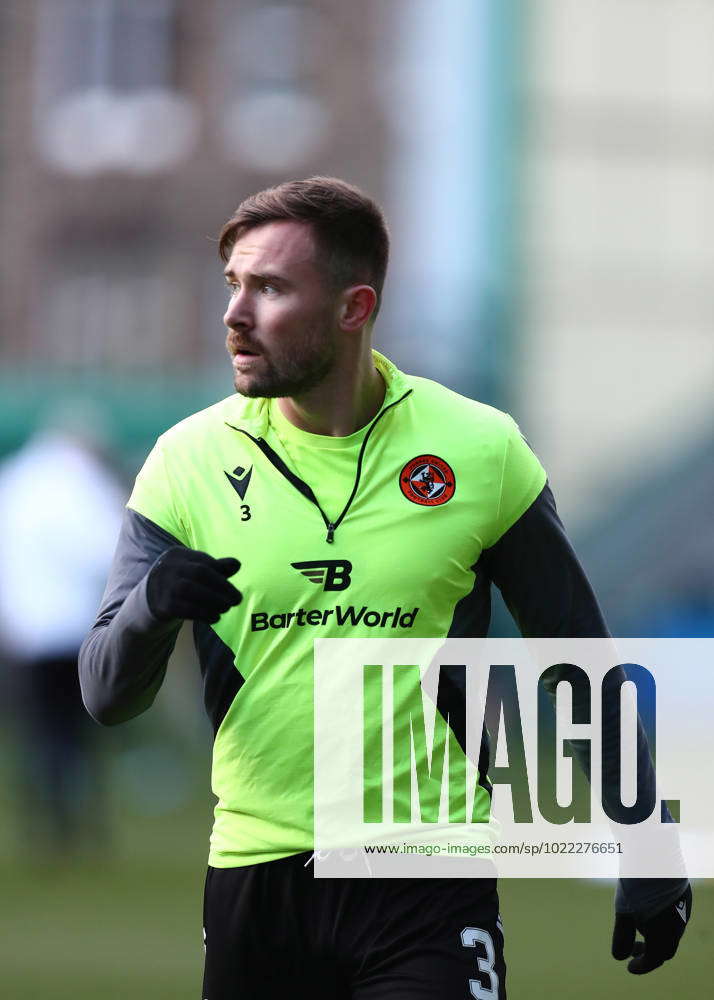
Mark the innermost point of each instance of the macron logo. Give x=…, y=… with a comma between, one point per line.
x=240, y=480
x=682, y=910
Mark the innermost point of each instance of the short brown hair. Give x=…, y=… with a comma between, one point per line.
x=349, y=227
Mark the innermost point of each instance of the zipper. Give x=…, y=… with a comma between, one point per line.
x=302, y=487
x=331, y=528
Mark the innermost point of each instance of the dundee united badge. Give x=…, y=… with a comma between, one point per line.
x=427, y=480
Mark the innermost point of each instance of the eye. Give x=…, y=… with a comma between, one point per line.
x=231, y=288
x=267, y=287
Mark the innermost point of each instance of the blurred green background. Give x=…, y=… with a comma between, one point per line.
x=546, y=172
x=122, y=917
x=126, y=923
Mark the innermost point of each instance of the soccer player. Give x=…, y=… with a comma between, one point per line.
x=331, y=486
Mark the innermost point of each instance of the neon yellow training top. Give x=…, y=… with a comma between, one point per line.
x=375, y=534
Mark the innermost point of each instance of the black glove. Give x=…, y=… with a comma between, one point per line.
x=661, y=935
x=184, y=583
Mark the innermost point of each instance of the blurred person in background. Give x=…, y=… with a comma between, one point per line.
x=401, y=494
x=60, y=511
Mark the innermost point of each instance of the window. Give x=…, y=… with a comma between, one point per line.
x=117, y=306
x=272, y=116
x=105, y=86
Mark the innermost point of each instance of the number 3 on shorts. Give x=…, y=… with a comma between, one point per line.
x=470, y=938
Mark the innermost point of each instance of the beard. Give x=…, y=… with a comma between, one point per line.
x=294, y=370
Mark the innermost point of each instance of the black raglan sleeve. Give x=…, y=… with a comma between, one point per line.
x=542, y=582
x=123, y=660
x=549, y=595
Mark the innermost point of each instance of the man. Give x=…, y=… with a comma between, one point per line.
x=329, y=471
x=44, y=616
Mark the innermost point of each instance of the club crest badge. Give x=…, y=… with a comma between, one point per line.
x=427, y=480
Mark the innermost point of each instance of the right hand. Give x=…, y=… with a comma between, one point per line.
x=184, y=583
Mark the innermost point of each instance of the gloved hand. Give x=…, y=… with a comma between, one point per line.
x=661, y=935
x=184, y=583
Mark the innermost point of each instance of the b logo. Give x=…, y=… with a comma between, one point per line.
x=333, y=574
x=427, y=480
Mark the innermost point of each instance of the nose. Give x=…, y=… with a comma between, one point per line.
x=239, y=314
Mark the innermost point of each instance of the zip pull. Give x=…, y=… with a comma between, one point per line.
x=330, y=532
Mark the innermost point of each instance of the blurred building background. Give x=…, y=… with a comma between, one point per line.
x=132, y=130
x=617, y=317
x=547, y=172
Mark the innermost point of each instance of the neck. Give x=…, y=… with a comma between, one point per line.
x=347, y=399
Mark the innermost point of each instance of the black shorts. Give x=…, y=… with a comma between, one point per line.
x=272, y=930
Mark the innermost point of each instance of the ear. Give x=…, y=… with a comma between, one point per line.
x=357, y=305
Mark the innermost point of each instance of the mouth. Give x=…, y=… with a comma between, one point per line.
x=243, y=358
x=242, y=352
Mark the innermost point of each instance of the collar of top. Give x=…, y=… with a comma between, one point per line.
x=252, y=414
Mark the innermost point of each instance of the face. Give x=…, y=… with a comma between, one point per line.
x=281, y=316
